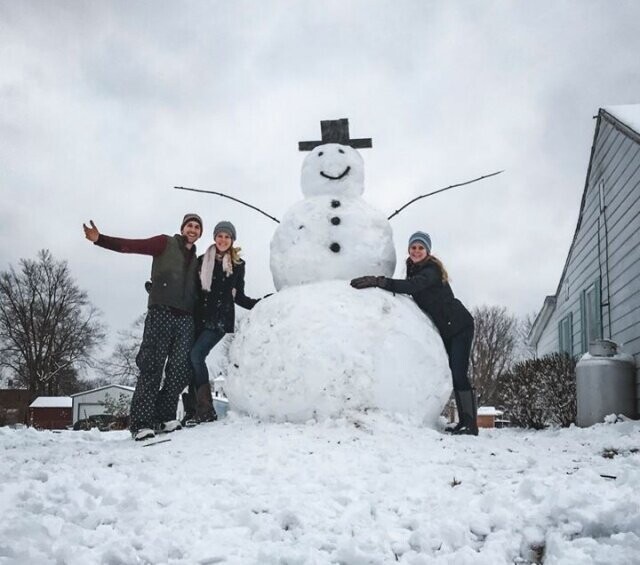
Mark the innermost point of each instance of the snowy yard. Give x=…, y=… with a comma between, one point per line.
x=355, y=492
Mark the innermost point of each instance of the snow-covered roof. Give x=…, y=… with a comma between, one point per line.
x=124, y=387
x=489, y=411
x=628, y=114
x=52, y=402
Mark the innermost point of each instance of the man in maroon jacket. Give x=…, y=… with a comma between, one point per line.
x=168, y=329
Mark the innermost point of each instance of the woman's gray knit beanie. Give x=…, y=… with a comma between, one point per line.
x=421, y=237
x=226, y=227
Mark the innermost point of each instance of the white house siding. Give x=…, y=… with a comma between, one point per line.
x=615, y=161
x=91, y=402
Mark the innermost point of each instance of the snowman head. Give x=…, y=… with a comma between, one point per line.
x=333, y=169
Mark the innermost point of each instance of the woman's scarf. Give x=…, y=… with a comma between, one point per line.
x=208, y=264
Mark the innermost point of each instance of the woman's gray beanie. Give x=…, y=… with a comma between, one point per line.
x=226, y=227
x=423, y=238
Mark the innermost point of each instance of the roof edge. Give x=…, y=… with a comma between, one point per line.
x=583, y=200
x=621, y=126
x=124, y=387
x=542, y=319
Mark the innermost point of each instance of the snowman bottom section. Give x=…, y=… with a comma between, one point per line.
x=323, y=350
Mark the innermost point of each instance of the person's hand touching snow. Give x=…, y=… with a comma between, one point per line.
x=369, y=282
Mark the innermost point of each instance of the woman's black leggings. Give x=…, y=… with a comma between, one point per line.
x=458, y=349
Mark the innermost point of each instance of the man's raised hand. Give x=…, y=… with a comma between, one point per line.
x=91, y=233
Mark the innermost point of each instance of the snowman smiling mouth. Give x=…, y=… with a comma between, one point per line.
x=344, y=174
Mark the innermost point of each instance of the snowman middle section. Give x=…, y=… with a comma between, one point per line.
x=330, y=237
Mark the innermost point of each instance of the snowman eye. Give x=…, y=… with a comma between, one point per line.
x=320, y=153
x=340, y=150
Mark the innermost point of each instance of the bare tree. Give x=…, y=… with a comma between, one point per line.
x=493, y=349
x=120, y=367
x=48, y=327
x=524, y=350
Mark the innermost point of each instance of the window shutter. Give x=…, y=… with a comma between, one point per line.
x=560, y=337
x=570, y=334
x=583, y=317
x=598, y=320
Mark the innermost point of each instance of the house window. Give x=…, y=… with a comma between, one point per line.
x=591, y=314
x=565, y=334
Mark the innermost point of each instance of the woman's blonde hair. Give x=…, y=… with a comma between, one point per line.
x=443, y=270
x=234, y=252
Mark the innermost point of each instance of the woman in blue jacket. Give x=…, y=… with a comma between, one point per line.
x=427, y=282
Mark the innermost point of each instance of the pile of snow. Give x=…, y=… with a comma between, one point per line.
x=308, y=247
x=372, y=491
x=325, y=349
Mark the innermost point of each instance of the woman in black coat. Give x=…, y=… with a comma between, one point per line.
x=428, y=282
x=221, y=277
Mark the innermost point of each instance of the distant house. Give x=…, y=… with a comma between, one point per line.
x=14, y=406
x=489, y=417
x=599, y=290
x=50, y=412
x=92, y=402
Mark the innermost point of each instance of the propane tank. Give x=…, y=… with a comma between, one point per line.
x=605, y=383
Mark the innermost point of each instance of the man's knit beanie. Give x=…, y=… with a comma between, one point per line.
x=227, y=227
x=189, y=218
x=421, y=237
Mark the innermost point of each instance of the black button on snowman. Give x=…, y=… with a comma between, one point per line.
x=343, y=236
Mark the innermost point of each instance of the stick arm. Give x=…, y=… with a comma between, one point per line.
x=230, y=198
x=442, y=190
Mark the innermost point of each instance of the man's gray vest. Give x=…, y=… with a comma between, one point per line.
x=173, y=274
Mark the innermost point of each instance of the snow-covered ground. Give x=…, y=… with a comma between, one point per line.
x=353, y=491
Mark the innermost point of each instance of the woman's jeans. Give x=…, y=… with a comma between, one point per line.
x=459, y=349
x=205, y=342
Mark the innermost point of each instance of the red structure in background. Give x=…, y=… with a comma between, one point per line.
x=51, y=413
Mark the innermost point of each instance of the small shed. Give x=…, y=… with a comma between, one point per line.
x=487, y=416
x=92, y=402
x=50, y=412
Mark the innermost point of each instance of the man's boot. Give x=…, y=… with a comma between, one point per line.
x=467, y=413
x=204, y=404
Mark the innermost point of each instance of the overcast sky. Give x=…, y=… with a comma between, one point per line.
x=105, y=106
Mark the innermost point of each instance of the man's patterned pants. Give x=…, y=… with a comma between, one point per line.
x=168, y=337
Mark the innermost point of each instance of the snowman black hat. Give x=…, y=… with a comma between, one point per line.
x=335, y=131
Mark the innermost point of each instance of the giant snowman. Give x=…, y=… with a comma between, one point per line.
x=318, y=348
